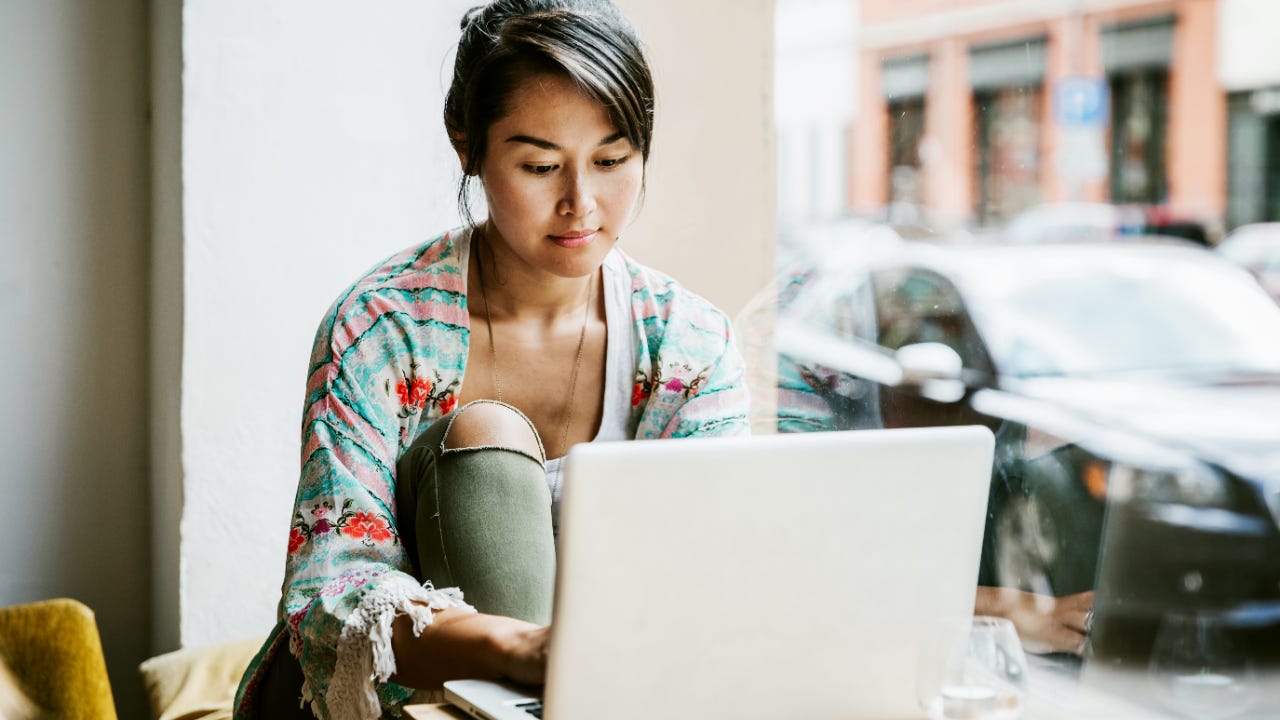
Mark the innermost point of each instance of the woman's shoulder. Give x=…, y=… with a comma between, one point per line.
x=429, y=270
x=658, y=297
x=420, y=285
x=434, y=263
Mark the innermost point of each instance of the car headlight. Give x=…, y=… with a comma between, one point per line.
x=1194, y=484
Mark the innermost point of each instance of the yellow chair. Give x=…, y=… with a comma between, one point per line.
x=54, y=651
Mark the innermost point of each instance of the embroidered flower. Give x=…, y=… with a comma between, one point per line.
x=413, y=393
x=676, y=382
x=367, y=526
x=447, y=404
x=416, y=393
x=321, y=525
x=296, y=540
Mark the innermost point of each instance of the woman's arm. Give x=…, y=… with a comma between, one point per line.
x=462, y=644
x=347, y=575
x=1045, y=624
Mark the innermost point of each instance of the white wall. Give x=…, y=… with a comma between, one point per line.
x=1247, y=34
x=311, y=147
x=310, y=151
x=74, y=197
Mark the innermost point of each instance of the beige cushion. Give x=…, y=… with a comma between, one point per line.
x=197, y=683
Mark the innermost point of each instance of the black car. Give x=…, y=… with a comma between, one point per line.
x=1134, y=390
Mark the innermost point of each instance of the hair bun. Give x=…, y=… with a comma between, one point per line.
x=471, y=16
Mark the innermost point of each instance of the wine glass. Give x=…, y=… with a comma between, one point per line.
x=972, y=669
x=1199, y=670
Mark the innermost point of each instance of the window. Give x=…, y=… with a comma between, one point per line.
x=1008, y=153
x=1254, y=157
x=1052, y=155
x=1137, y=56
x=1006, y=79
x=1138, y=137
x=906, y=130
x=905, y=82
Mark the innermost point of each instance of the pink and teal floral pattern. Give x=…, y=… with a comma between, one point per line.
x=416, y=392
x=369, y=528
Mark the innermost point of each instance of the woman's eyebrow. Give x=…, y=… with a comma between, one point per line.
x=548, y=145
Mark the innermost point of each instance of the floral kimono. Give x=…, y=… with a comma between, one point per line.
x=389, y=359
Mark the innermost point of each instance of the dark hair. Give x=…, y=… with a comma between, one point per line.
x=506, y=41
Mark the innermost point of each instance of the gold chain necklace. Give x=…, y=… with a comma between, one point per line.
x=577, y=363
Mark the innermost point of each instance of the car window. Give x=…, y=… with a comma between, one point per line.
x=1105, y=312
x=919, y=306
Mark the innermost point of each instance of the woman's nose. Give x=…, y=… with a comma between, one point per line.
x=577, y=199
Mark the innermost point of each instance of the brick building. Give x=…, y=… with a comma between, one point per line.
x=977, y=109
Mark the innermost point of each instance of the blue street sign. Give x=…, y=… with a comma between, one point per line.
x=1080, y=101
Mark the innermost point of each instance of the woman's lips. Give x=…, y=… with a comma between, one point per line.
x=572, y=240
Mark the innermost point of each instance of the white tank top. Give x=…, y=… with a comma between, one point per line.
x=619, y=371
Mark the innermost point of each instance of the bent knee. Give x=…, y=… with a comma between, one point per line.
x=492, y=424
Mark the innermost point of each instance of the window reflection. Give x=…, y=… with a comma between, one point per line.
x=1062, y=223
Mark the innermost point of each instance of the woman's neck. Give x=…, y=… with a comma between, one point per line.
x=514, y=290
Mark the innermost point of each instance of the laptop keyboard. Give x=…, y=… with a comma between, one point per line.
x=533, y=707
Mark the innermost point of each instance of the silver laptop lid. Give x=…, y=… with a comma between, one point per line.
x=780, y=576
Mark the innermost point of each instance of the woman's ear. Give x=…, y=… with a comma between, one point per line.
x=459, y=142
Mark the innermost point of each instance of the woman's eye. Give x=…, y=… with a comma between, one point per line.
x=540, y=169
x=612, y=162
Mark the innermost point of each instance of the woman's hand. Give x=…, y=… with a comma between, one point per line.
x=1045, y=624
x=524, y=654
x=462, y=644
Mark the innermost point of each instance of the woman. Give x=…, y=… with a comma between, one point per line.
x=422, y=545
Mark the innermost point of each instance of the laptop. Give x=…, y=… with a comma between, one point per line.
x=772, y=576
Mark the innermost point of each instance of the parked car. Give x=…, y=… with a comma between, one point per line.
x=1096, y=222
x=1135, y=394
x=1256, y=248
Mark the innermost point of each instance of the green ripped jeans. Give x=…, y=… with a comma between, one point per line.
x=479, y=518
x=476, y=518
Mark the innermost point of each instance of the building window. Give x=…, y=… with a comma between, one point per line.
x=906, y=130
x=1273, y=169
x=1007, y=97
x=1137, y=57
x=905, y=82
x=1007, y=123
x=1253, y=158
x=1139, y=102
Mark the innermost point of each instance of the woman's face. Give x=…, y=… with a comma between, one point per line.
x=560, y=180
